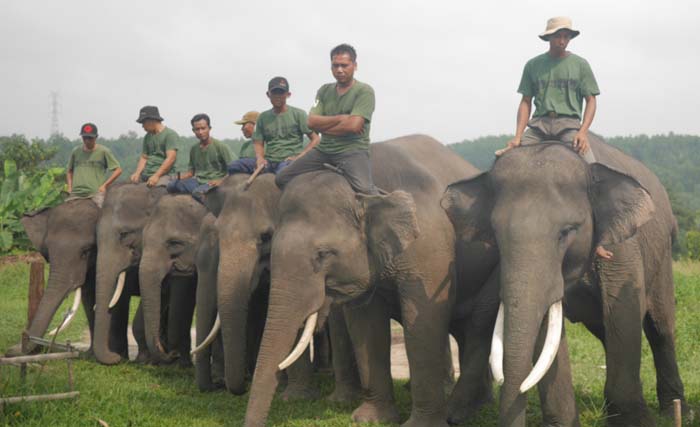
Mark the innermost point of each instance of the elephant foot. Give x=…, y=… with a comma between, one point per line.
x=376, y=412
x=211, y=386
x=144, y=358
x=185, y=362
x=292, y=393
x=344, y=394
x=459, y=411
x=425, y=421
x=640, y=417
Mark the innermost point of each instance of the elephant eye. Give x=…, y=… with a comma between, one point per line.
x=567, y=231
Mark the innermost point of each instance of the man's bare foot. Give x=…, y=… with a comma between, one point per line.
x=603, y=253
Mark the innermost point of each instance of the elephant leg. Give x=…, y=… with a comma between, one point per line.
x=347, y=380
x=582, y=303
x=206, y=316
x=370, y=334
x=118, y=327
x=556, y=389
x=623, y=310
x=299, y=379
x=217, y=364
x=138, y=328
x=659, y=327
x=183, y=293
x=89, y=299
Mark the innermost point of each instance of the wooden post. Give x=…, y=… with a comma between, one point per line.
x=677, y=416
x=36, y=289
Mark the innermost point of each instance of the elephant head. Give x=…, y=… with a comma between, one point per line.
x=330, y=244
x=546, y=210
x=119, y=232
x=65, y=236
x=169, y=243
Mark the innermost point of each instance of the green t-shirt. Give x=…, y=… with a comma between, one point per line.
x=211, y=162
x=89, y=169
x=558, y=84
x=247, y=150
x=358, y=101
x=283, y=134
x=155, y=146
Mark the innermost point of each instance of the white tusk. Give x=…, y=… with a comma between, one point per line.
x=306, y=337
x=496, y=357
x=311, y=350
x=210, y=338
x=549, y=349
x=71, y=314
x=118, y=291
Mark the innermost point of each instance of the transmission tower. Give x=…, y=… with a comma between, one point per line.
x=55, y=110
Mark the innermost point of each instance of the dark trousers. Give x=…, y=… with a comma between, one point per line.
x=355, y=167
x=248, y=165
x=188, y=186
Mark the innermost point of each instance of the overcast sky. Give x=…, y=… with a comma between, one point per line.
x=449, y=69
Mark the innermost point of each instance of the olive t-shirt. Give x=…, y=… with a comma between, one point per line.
x=155, y=146
x=247, y=150
x=357, y=101
x=283, y=134
x=558, y=84
x=89, y=169
x=210, y=162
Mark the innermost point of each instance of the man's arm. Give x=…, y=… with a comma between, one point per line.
x=110, y=180
x=259, y=147
x=69, y=180
x=320, y=124
x=523, y=115
x=347, y=125
x=140, y=166
x=314, y=139
x=581, y=137
x=170, y=157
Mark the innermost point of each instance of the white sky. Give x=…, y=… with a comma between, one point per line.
x=449, y=69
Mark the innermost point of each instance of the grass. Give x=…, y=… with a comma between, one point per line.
x=132, y=395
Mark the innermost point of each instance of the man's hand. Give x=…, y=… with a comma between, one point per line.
x=134, y=178
x=581, y=142
x=102, y=188
x=153, y=180
x=260, y=161
x=515, y=142
x=603, y=253
x=215, y=182
x=292, y=158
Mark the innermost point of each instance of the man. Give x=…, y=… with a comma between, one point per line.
x=559, y=81
x=279, y=133
x=342, y=114
x=247, y=123
x=159, y=148
x=87, y=166
x=208, y=160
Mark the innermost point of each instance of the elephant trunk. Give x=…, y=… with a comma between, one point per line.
x=108, y=270
x=237, y=277
x=152, y=270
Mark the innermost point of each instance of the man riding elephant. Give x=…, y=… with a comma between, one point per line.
x=159, y=148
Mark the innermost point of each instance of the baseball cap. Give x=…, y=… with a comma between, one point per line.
x=249, y=117
x=88, y=129
x=278, y=83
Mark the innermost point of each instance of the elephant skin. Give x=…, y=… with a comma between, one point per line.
x=547, y=210
x=383, y=256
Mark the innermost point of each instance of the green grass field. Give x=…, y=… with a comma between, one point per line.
x=132, y=395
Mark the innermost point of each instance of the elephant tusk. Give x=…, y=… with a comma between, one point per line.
x=311, y=350
x=118, y=291
x=549, y=349
x=71, y=314
x=210, y=338
x=306, y=337
x=496, y=357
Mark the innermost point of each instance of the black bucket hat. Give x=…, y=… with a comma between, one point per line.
x=149, y=112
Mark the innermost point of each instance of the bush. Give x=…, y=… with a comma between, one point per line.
x=692, y=244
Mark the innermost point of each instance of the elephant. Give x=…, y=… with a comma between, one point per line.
x=167, y=266
x=65, y=237
x=547, y=210
x=381, y=256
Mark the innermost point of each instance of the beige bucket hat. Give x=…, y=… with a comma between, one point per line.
x=558, y=23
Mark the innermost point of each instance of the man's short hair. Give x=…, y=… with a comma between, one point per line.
x=342, y=49
x=199, y=117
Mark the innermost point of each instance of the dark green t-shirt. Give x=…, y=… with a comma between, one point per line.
x=283, y=134
x=211, y=162
x=89, y=169
x=358, y=101
x=155, y=146
x=558, y=84
x=247, y=150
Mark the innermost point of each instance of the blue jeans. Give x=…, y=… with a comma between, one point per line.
x=248, y=165
x=188, y=186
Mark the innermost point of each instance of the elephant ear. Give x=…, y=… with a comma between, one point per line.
x=36, y=226
x=390, y=224
x=620, y=204
x=468, y=204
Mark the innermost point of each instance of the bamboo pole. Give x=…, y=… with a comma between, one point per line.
x=677, y=415
x=38, y=358
x=40, y=397
x=36, y=289
x=253, y=176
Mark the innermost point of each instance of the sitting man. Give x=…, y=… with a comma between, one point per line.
x=159, y=149
x=342, y=113
x=208, y=160
x=279, y=134
x=247, y=123
x=87, y=167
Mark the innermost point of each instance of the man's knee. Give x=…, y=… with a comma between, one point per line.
x=173, y=186
x=281, y=179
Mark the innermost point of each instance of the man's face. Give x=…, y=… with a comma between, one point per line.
x=343, y=68
x=201, y=130
x=89, y=142
x=278, y=97
x=248, y=129
x=560, y=40
x=150, y=125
